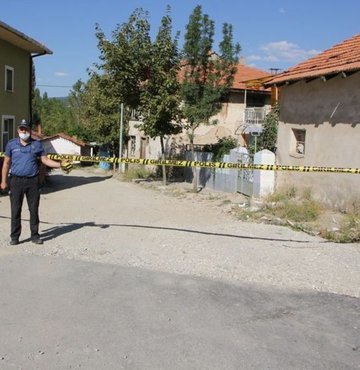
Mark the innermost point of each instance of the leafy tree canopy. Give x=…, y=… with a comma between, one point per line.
x=126, y=59
x=207, y=75
x=160, y=98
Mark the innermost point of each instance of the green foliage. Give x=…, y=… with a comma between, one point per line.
x=160, y=99
x=304, y=211
x=136, y=172
x=288, y=204
x=54, y=114
x=101, y=113
x=126, y=59
x=207, y=76
x=267, y=139
x=286, y=207
x=222, y=147
x=143, y=74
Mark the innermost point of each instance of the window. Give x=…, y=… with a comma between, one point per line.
x=256, y=99
x=9, y=79
x=132, y=145
x=299, y=136
x=7, y=130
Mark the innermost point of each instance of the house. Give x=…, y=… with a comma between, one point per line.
x=17, y=53
x=320, y=122
x=65, y=144
x=244, y=109
x=242, y=113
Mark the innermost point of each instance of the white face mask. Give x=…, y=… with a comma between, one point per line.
x=24, y=135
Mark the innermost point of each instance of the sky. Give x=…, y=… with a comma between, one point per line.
x=272, y=33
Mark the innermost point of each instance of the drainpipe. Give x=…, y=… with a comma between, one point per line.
x=245, y=104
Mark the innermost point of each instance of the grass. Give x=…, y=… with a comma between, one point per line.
x=288, y=204
x=298, y=211
x=348, y=232
x=136, y=172
x=301, y=212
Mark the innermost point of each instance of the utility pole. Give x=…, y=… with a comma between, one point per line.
x=121, y=133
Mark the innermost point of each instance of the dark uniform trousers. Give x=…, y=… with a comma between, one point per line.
x=19, y=187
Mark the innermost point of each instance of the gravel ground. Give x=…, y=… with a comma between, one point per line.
x=90, y=216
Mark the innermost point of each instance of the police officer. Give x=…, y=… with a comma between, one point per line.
x=22, y=156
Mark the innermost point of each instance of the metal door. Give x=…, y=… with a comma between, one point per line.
x=245, y=181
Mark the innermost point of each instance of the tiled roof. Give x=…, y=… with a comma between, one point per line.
x=245, y=74
x=343, y=57
x=244, y=77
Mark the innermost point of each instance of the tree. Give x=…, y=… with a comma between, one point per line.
x=160, y=97
x=53, y=112
x=125, y=63
x=268, y=137
x=125, y=59
x=75, y=104
x=207, y=76
x=101, y=113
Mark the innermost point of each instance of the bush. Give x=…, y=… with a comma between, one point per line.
x=222, y=147
x=136, y=172
x=299, y=211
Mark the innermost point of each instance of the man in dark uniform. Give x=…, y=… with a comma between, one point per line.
x=22, y=156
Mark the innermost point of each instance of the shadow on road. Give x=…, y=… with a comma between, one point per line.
x=62, y=182
x=56, y=231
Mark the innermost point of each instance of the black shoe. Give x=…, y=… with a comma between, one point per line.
x=37, y=241
x=14, y=242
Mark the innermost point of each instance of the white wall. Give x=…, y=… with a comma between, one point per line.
x=61, y=146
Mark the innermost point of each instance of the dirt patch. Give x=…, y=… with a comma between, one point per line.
x=90, y=215
x=326, y=223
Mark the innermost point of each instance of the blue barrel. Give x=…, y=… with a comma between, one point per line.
x=104, y=165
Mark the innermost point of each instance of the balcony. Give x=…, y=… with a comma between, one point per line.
x=255, y=115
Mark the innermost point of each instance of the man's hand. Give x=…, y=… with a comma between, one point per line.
x=66, y=166
x=3, y=185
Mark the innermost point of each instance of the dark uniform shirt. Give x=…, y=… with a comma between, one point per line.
x=24, y=158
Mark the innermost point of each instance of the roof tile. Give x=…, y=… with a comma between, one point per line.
x=244, y=74
x=343, y=57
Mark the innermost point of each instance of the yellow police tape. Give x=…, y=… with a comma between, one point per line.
x=184, y=163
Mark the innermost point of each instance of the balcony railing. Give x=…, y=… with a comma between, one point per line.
x=255, y=115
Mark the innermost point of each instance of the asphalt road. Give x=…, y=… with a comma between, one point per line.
x=58, y=313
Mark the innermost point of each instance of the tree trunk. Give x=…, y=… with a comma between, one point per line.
x=194, y=169
x=163, y=158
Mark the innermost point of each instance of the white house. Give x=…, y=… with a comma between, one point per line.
x=65, y=144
